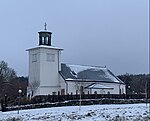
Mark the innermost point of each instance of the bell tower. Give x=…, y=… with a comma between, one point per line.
x=45, y=37
x=44, y=66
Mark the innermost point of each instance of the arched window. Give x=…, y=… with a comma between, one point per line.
x=81, y=89
x=95, y=92
x=108, y=92
x=122, y=90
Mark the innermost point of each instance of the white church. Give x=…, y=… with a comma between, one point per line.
x=48, y=76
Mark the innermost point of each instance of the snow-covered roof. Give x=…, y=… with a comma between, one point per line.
x=98, y=86
x=88, y=73
x=45, y=31
x=45, y=46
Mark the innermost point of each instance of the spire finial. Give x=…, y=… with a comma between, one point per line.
x=45, y=25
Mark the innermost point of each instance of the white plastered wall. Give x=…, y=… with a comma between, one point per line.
x=73, y=86
x=45, y=72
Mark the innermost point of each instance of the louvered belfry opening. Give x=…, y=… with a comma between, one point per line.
x=45, y=38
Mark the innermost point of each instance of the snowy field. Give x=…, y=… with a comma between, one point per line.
x=119, y=112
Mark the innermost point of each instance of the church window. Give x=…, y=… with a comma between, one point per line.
x=34, y=57
x=62, y=91
x=76, y=92
x=95, y=92
x=50, y=57
x=108, y=92
x=53, y=93
x=81, y=90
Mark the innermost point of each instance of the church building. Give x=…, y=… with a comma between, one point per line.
x=48, y=76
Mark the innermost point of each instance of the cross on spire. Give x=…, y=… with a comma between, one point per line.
x=45, y=25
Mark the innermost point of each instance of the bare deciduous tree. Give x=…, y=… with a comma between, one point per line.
x=6, y=73
x=33, y=86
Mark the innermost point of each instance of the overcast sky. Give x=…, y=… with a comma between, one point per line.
x=92, y=32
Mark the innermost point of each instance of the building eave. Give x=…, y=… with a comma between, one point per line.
x=45, y=47
x=94, y=81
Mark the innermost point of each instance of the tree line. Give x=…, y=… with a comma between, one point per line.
x=136, y=83
x=10, y=83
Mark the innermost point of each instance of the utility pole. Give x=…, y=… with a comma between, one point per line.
x=80, y=97
x=19, y=92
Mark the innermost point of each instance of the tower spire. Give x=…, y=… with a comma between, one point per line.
x=45, y=25
x=45, y=36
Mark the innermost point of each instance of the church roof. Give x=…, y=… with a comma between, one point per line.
x=44, y=46
x=88, y=73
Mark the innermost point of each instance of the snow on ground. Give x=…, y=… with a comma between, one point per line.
x=119, y=112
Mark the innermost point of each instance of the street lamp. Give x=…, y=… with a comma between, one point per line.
x=5, y=100
x=19, y=92
x=128, y=89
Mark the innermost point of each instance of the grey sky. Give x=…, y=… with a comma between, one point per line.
x=92, y=32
